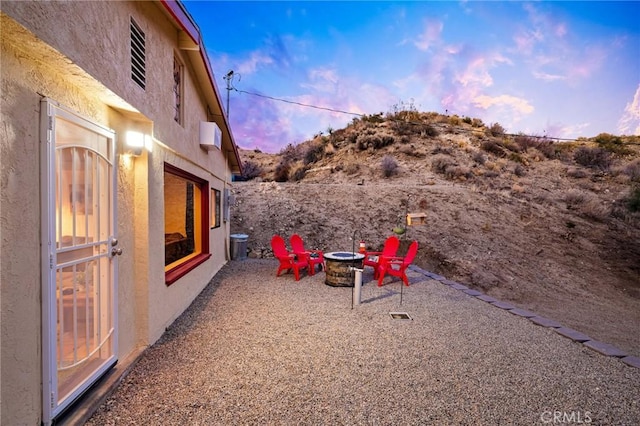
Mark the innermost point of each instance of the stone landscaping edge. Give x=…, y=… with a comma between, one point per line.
x=602, y=348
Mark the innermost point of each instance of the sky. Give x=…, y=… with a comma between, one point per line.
x=560, y=69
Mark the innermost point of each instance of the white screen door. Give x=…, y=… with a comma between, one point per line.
x=79, y=288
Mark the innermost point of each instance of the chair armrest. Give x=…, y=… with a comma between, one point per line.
x=392, y=258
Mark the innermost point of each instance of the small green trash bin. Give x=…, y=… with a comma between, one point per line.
x=239, y=246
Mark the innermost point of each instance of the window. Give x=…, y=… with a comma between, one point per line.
x=177, y=90
x=215, y=208
x=186, y=211
x=138, y=61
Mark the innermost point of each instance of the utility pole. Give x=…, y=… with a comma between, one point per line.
x=229, y=78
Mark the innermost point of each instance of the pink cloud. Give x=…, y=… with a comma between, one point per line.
x=552, y=55
x=430, y=35
x=629, y=123
x=476, y=73
x=540, y=75
x=255, y=61
x=526, y=41
x=477, y=70
x=585, y=66
x=518, y=105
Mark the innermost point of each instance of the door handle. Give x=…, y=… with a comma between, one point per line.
x=116, y=251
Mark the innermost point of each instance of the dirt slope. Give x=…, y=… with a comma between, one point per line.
x=538, y=230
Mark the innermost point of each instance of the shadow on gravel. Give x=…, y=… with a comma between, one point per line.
x=191, y=316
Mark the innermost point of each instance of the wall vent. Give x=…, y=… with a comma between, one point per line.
x=138, y=59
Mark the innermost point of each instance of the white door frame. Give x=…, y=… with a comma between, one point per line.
x=50, y=111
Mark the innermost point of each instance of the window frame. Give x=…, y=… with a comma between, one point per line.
x=178, y=90
x=180, y=270
x=215, y=210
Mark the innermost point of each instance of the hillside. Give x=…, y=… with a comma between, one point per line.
x=552, y=227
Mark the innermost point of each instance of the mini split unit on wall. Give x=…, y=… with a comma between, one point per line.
x=210, y=135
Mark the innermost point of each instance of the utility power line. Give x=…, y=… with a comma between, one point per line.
x=299, y=103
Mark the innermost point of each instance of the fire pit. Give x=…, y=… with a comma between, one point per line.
x=337, y=267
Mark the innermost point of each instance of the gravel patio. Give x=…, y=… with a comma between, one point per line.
x=256, y=349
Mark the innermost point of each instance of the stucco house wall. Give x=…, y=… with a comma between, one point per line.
x=77, y=54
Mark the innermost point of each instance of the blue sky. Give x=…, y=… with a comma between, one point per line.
x=564, y=69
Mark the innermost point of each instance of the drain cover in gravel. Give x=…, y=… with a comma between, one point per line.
x=399, y=315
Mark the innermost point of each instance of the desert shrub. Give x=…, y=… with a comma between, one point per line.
x=442, y=119
x=299, y=173
x=374, y=141
x=586, y=204
x=564, y=151
x=428, y=130
x=493, y=147
x=612, y=143
x=525, y=142
x=411, y=151
x=281, y=174
x=634, y=199
x=518, y=170
x=496, y=130
x=542, y=144
x=516, y=158
x=633, y=170
x=458, y=172
x=386, y=140
x=313, y=154
x=373, y=118
x=511, y=146
x=403, y=128
x=454, y=120
x=493, y=165
x=479, y=157
x=467, y=120
x=476, y=122
x=404, y=111
x=442, y=150
x=291, y=153
x=576, y=173
x=593, y=208
x=491, y=173
x=440, y=163
x=363, y=142
x=250, y=170
x=596, y=158
x=352, y=168
x=548, y=149
x=389, y=166
x=574, y=198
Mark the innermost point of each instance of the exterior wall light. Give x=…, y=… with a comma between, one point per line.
x=136, y=141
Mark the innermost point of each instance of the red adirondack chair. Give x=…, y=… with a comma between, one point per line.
x=397, y=266
x=288, y=260
x=313, y=257
x=372, y=258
